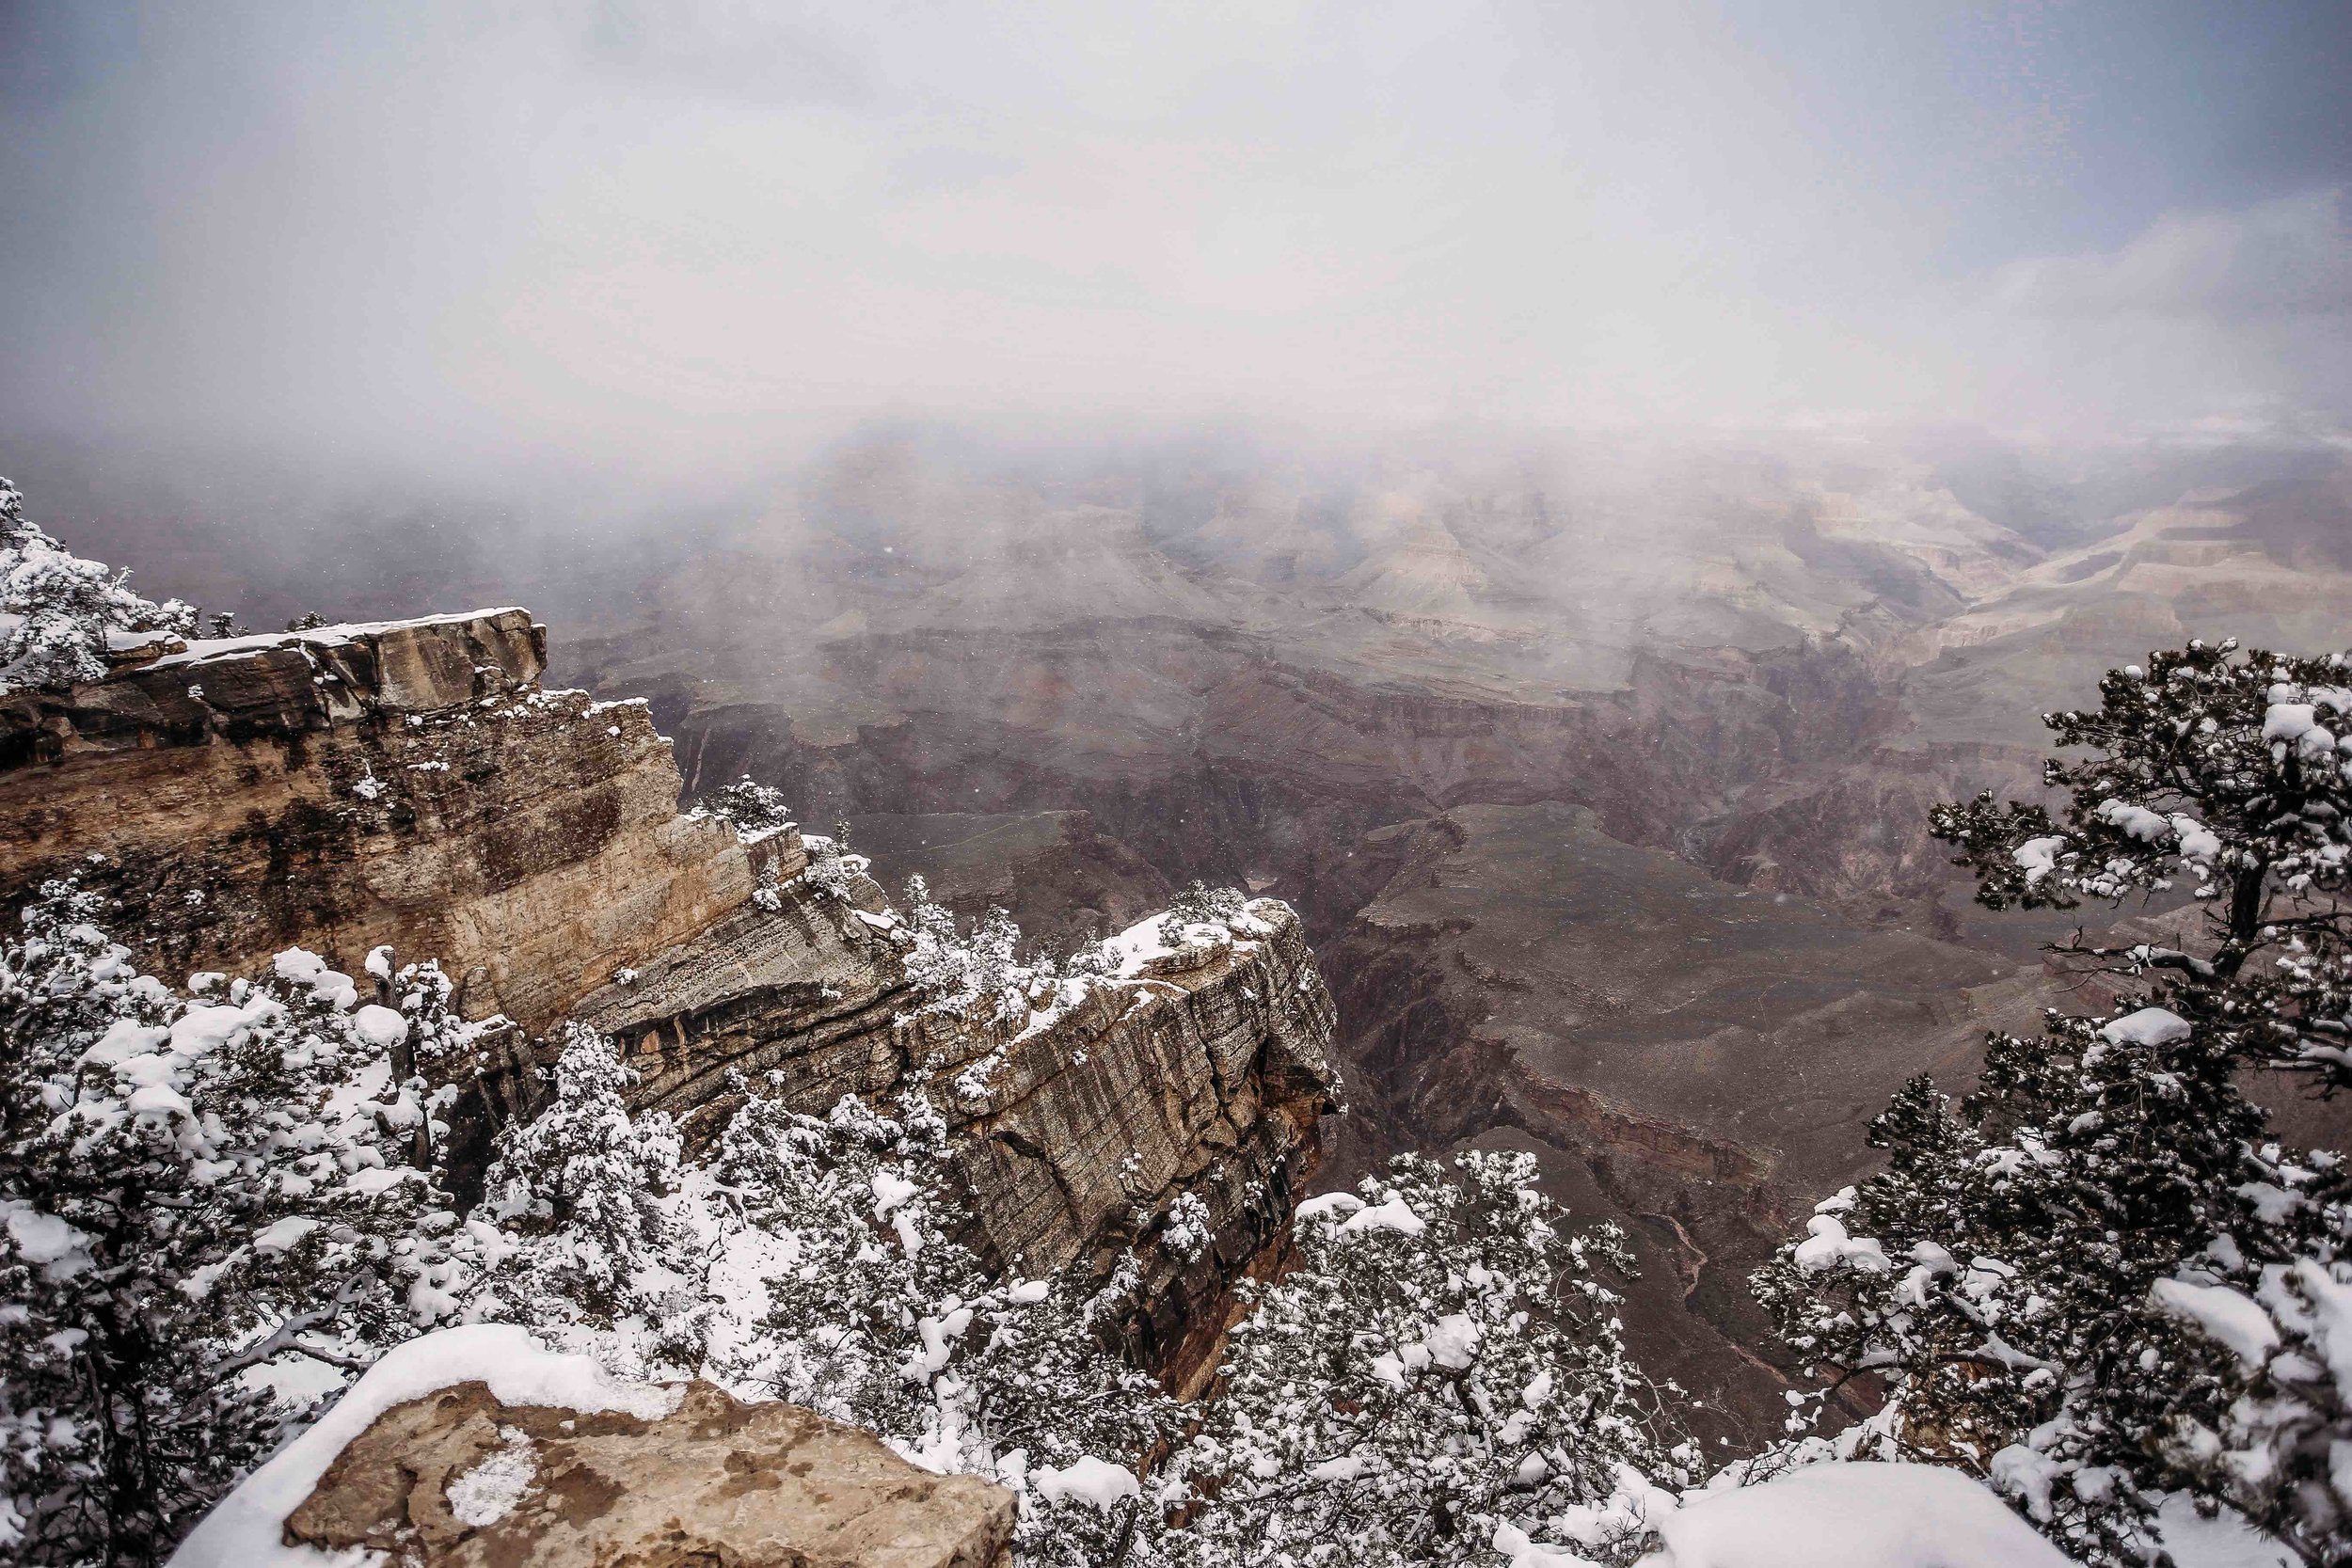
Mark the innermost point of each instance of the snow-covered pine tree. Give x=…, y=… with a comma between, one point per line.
x=749, y=807
x=193, y=1188
x=2220, y=771
x=970, y=973
x=887, y=1317
x=1441, y=1377
x=57, y=609
x=2100, y=1279
x=585, y=1236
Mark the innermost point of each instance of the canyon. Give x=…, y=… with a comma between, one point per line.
x=1600, y=783
x=1594, y=769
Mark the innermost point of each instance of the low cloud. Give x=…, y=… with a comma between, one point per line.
x=695, y=238
x=2290, y=256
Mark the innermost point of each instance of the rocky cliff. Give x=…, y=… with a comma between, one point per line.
x=412, y=783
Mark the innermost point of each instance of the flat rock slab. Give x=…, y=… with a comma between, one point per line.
x=458, y=1479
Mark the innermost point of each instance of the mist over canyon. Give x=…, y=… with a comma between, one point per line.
x=1597, y=766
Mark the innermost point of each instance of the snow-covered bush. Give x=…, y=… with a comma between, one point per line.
x=827, y=1261
x=2100, y=1280
x=750, y=808
x=197, y=1191
x=832, y=869
x=1441, y=1377
x=577, y=1228
x=1200, y=904
x=971, y=974
x=887, y=1317
x=57, y=609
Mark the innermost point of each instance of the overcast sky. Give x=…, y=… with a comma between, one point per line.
x=690, y=233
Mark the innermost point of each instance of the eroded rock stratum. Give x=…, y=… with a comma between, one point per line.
x=412, y=783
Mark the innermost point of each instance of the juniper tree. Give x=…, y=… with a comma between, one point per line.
x=891, y=1317
x=1200, y=904
x=57, y=609
x=1441, y=1374
x=2218, y=772
x=752, y=807
x=575, y=1229
x=2099, y=1278
x=195, y=1187
x=971, y=974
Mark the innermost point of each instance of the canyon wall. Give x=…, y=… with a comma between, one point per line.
x=412, y=783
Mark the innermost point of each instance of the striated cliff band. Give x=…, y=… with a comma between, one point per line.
x=412, y=783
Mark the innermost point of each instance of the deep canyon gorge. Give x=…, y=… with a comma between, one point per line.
x=1598, y=774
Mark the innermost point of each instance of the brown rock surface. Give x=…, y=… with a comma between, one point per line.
x=716, y=1481
x=404, y=783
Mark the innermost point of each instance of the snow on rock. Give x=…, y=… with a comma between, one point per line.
x=2148, y=1027
x=1132, y=949
x=1333, y=1204
x=247, y=1529
x=489, y=1491
x=2038, y=857
x=1852, y=1516
x=1096, y=1482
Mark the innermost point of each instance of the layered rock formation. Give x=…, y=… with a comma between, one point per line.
x=408, y=783
x=1081, y=1119
x=411, y=784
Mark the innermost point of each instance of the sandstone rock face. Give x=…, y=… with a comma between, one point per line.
x=1204, y=1073
x=410, y=784
x=404, y=783
x=458, y=1479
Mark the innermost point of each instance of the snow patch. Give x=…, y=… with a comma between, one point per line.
x=247, y=1530
x=490, y=1491
x=1856, y=1516
x=1096, y=1482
